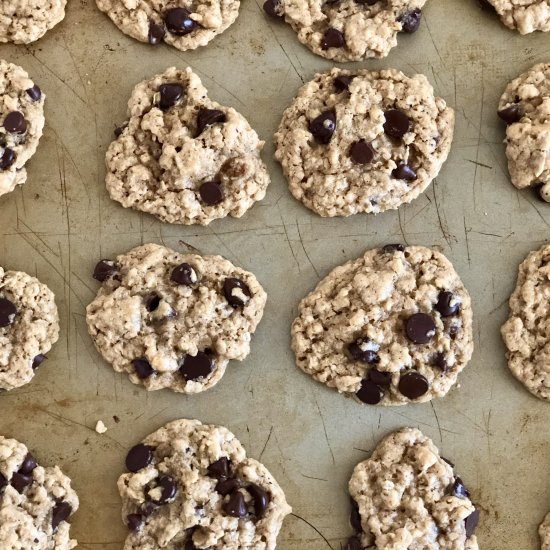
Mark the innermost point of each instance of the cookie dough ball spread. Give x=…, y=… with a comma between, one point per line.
x=35, y=501
x=191, y=486
x=184, y=24
x=349, y=30
x=183, y=157
x=524, y=15
x=24, y=21
x=407, y=496
x=526, y=332
x=391, y=327
x=173, y=320
x=363, y=141
x=544, y=533
x=525, y=107
x=21, y=123
x=29, y=326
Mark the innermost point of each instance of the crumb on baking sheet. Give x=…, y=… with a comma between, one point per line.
x=100, y=427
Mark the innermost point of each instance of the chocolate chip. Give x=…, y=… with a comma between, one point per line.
x=208, y=117
x=471, y=523
x=134, y=521
x=380, y=378
x=459, y=490
x=512, y=114
x=104, y=270
x=7, y=159
x=211, y=193
x=152, y=301
x=447, y=304
x=364, y=350
x=354, y=543
x=8, y=311
x=332, y=38
x=273, y=8
x=413, y=385
x=342, y=82
x=355, y=517
x=397, y=123
x=119, y=130
x=393, y=248
x=440, y=362
x=156, y=33
x=61, y=511
x=20, y=481
x=226, y=486
x=404, y=172
x=168, y=491
x=38, y=360
x=179, y=22
x=362, y=152
x=410, y=21
x=35, y=93
x=15, y=123
x=143, y=368
x=261, y=499
x=236, y=292
x=420, y=328
x=29, y=464
x=220, y=468
x=197, y=366
x=170, y=94
x=235, y=506
x=370, y=393
x=139, y=457
x=184, y=274
x=323, y=126
x=189, y=545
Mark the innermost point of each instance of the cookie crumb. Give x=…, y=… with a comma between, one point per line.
x=100, y=427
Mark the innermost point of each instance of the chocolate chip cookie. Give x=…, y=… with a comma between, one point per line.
x=349, y=30
x=390, y=328
x=29, y=326
x=526, y=333
x=35, y=501
x=173, y=320
x=407, y=496
x=525, y=107
x=191, y=486
x=21, y=123
x=363, y=141
x=25, y=21
x=526, y=16
x=184, y=24
x=183, y=157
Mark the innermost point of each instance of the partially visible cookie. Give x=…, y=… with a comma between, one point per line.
x=173, y=320
x=21, y=123
x=390, y=328
x=183, y=157
x=526, y=16
x=525, y=107
x=526, y=333
x=29, y=326
x=35, y=502
x=25, y=21
x=191, y=486
x=407, y=496
x=544, y=533
x=349, y=30
x=363, y=141
x=184, y=24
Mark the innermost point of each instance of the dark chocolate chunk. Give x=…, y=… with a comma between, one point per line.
x=512, y=114
x=447, y=304
x=104, y=270
x=35, y=93
x=397, y=123
x=261, y=499
x=143, y=368
x=393, y=248
x=420, y=328
x=7, y=159
x=235, y=506
x=208, y=117
x=370, y=393
x=332, y=38
x=179, y=22
x=184, y=274
x=404, y=172
x=134, y=521
x=413, y=385
x=380, y=378
x=342, y=82
x=29, y=464
x=61, y=512
x=226, y=486
x=410, y=21
x=15, y=123
x=363, y=350
x=156, y=33
x=197, y=366
x=138, y=457
x=220, y=468
x=211, y=193
x=20, y=481
x=170, y=94
x=168, y=492
x=38, y=360
x=471, y=523
x=236, y=292
x=8, y=311
x=362, y=152
x=323, y=126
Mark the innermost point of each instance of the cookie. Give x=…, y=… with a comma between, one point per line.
x=407, y=496
x=183, y=157
x=184, y=24
x=544, y=533
x=526, y=16
x=29, y=326
x=173, y=320
x=390, y=328
x=526, y=333
x=349, y=30
x=191, y=486
x=525, y=107
x=363, y=141
x=21, y=123
x=25, y=21
x=35, y=501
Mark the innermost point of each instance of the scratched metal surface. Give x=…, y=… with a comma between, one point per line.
x=62, y=221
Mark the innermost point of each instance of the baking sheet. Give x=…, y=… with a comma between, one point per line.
x=62, y=221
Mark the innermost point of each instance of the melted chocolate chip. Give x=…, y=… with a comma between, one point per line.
x=119, y=130
x=260, y=497
x=156, y=34
x=170, y=94
x=15, y=123
x=420, y=328
x=142, y=368
x=211, y=193
x=471, y=523
x=168, y=490
x=397, y=123
x=208, y=117
x=235, y=506
x=134, y=521
x=447, y=304
x=20, y=481
x=198, y=366
x=410, y=21
x=389, y=248
x=152, y=301
x=220, y=469
x=342, y=82
x=7, y=159
x=273, y=8
x=323, y=126
x=104, y=270
x=440, y=362
x=236, y=292
x=404, y=172
x=179, y=22
x=364, y=350
x=413, y=385
x=332, y=38
x=226, y=486
x=362, y=152
x=380, y=378
x=8, y=311
x=184, y=274
x=370, y=393
x=459, y=490
x=28, y=465
x=61, y=512
x=38, y=360
x=512, y=114
x=139, y=457
x=35, y=93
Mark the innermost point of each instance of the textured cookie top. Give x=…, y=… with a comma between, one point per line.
x=29, y=326
x=193, y=487
x=173, y=320
x=24, y=21
x=524, y=15
x=391, y=327
x=407, y=496
x=35, y=502
x=544, y=533
x=526, y=332
x=363, y=141
x=21, y=123
x=525, y=107
x=183, y=157
x=184, y=24
x=349, y=30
